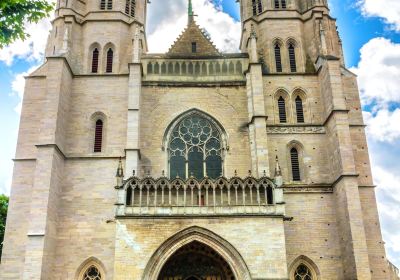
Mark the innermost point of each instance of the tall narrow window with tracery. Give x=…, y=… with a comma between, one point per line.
x=95, y=60
x=195, y=148
x=302, y=272
x=278, y=57
x=292, y=58
x=299, y=109
x=98, y=137
x=282, y=110
x=130, y=7
x=294, y=157
x=92, y=273
x=257, y=7
x=109, y=63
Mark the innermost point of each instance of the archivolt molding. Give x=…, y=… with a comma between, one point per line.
x=221, y=246
x=307, y=262
x=92, y=261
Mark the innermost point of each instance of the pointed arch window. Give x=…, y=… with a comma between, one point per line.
x=98, y=137
x=299, y=109
x=302, y=272
x=130, y=7
x=195, y=148
x=92, y=273
x=109, y=64
x=95, y=60
x=292, y=58
x=278, y=57
x=294, y=158
x=282, y=110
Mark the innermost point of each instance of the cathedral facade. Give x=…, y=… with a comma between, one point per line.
x=193, y=164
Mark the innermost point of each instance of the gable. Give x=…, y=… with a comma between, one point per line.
x=193, y=42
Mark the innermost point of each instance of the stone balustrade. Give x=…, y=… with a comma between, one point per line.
x=206, y=197
x=160, y=68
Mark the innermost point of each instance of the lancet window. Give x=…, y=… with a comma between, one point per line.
x=130, y=7
x=98, y=137
x=299, y=109
x=294, y=157
x=109, y=64
x=257, y=7
x=195, y=148
x=278, y=57
x=95, y=60
x=282, y=110
x=292, y=58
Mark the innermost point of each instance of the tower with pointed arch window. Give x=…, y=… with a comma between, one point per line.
x=193, y=164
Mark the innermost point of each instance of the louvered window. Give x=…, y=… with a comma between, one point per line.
x=102, y=4
x=109, y=66
x=254, y=7
x=283, y=3
x=299, y=110
x=259, y=6
x=292, y=58
x=98, y=136
x=106, y=4
x=276, y=4
x=294, y=156
x=130, y=7
x=95, y=60
x=282, y=110
x=109, y=5
x=194, y=47
x=278, y=58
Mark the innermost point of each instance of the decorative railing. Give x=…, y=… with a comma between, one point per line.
x=185, y=69
x=165, y=197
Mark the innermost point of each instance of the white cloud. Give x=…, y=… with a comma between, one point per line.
x=379, y=71
x=162, y=31
x=389, y=10
x=384, y=125
x=32, y=49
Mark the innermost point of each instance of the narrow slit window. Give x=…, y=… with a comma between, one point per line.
x=299, y=110
x=294, y=156
x=282, y=110
x=194, y=47
x=278, y=58
x=130, y=7
x=292, y=58
x=259, y=6
x=98, y=137
x=109, y=66
x=95, y=60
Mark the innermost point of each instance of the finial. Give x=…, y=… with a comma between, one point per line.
x=191, y=175
x=177, y=176
x=134, y=173
x=190, y=12
x=148, y=173
x=249, y=173
x=236, y=173
x=265, y=173
x=120, y=173
x=163, y=173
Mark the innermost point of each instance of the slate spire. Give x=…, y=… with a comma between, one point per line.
x=190, y=12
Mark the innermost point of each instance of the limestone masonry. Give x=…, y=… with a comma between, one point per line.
x=193, y=164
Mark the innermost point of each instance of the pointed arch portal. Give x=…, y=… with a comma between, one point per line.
x=193, y=254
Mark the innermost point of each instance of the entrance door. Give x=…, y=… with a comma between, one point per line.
x=196, y=261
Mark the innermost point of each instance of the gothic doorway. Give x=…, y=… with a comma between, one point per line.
x=196, y=261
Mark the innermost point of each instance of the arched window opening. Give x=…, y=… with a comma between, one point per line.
x=282, y=110
x=130, y=7
x=95, y=60
x=257, y=7
x=109, y=65
x=92, y=273
x=98, y=136
x=195, y=148
x=299, y=109
x=302, y=272
x=294, y=157
x=278, y=58
x=292, y=58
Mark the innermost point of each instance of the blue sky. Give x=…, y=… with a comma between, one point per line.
x=371, y=40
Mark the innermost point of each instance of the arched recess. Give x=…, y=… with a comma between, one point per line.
x=217, y=148
x=301, y=93
x=203, y=236
x=312, y=268
x=300, y=152
x=279, y=95
x=88, y=264
x=95, y=117
x=292, y=43
x=90, y=58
